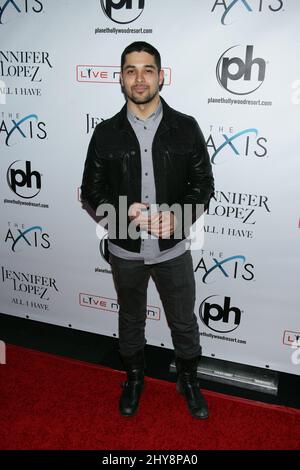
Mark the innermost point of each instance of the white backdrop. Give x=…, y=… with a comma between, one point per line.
x=233, y=65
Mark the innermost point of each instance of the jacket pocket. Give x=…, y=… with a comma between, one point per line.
x=179, y=149
x=111, y=153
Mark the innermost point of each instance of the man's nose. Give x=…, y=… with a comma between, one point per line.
x=140, y=77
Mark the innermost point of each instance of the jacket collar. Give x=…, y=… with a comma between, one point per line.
x=168, y=120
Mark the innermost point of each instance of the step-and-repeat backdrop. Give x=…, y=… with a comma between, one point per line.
x=234, y=65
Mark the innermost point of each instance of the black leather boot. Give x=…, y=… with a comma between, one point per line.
x=133, y=387
x=188, y=385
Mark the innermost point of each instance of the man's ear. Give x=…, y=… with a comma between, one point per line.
x=121, y=79
x=161, y=77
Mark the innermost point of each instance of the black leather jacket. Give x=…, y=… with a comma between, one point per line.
x=182, y=168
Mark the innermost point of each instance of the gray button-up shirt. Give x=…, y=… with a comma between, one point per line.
x=150, y=253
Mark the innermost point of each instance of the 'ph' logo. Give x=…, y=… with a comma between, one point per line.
x=124, y=16
x=29, y=181
x=213, y=315
x=242, y=71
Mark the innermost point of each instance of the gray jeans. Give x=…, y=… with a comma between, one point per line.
x=175, y=282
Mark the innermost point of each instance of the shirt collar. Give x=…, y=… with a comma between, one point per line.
x=152, y=118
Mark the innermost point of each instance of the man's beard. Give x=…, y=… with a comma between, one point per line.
x=142, y=99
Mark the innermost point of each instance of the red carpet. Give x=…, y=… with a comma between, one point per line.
x=50, y=402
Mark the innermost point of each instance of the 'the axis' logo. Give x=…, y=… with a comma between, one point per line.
x=123, y=11
x=32, y=237
x=23, y=182
x=240, y=144
x=238, y=76
x=8, y=7
x=28, y=127
x=246, y=6
x=222, y=319
x=233, y=267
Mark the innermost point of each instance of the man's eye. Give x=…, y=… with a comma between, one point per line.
x=149, y=70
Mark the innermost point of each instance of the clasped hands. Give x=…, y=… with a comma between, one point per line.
x=161, y=224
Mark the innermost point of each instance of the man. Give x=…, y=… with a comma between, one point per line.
x=151, y=155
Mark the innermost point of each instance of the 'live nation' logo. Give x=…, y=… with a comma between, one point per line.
x=108, y=74
x=111, y=305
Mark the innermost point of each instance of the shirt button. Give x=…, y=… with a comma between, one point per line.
x=146, y=174
x=147, y=197
x=146, y=150
x=132, y=152
x=145, y=127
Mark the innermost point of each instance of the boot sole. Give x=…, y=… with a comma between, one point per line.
x=179, y=390
x=128, y=415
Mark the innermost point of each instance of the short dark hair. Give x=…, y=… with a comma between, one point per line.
x=141, y=46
